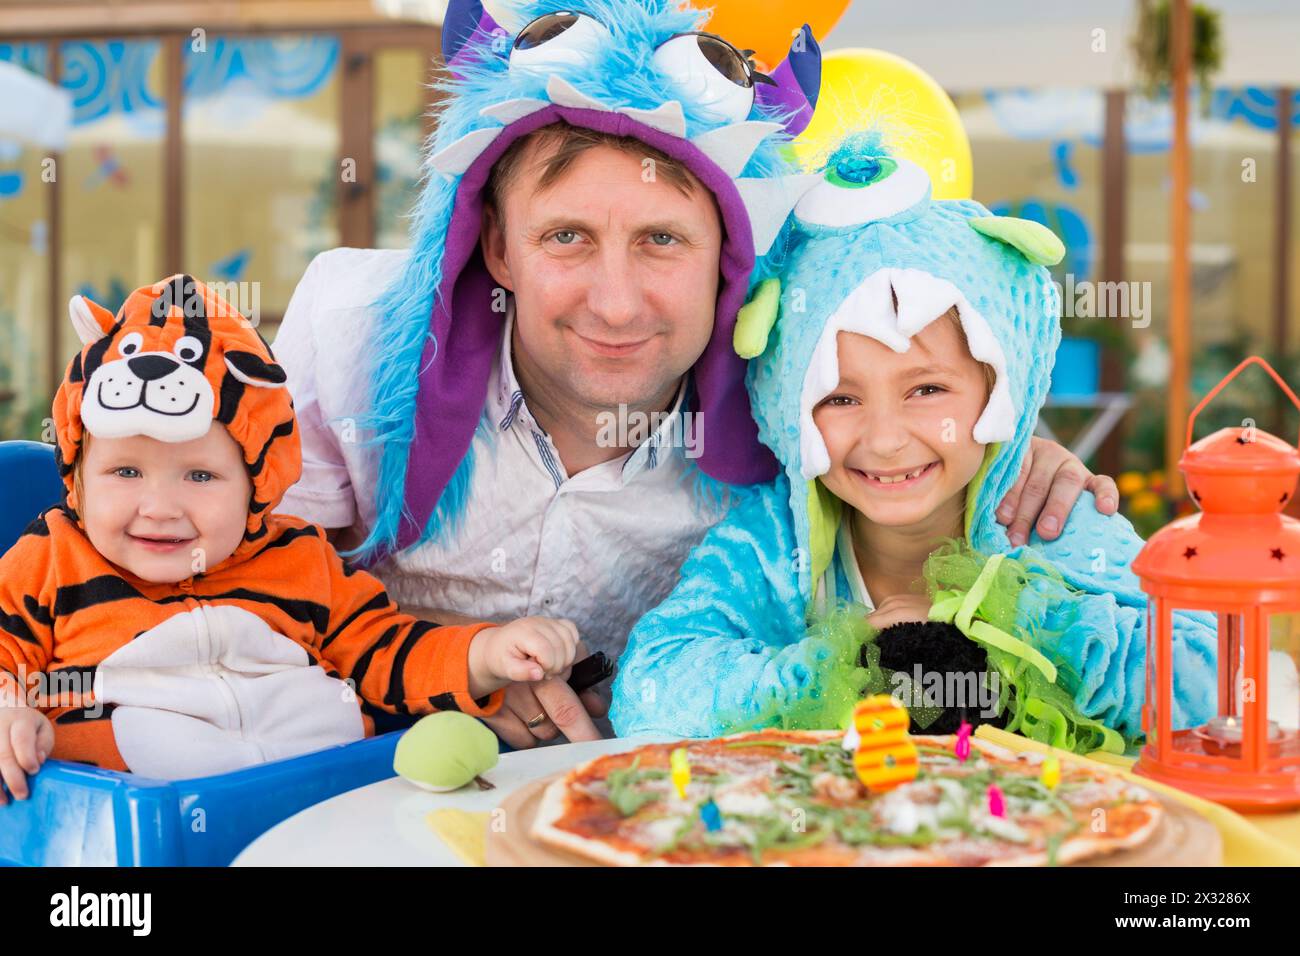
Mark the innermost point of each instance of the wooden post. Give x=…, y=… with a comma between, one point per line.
x=1282, y=246
x=356, y=190
x=173, y=203
x=54, y=248
x=1180, y=35
x=1114, y=200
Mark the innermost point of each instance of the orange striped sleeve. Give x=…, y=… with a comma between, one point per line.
x=395, y=661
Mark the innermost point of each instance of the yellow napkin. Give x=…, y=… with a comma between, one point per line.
x=465, y=831
x=1262, y=840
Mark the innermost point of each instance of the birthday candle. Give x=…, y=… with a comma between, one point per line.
x=885, y=756
x=680, y=767
x=997, y=803
x=962, y=747
x=711, y=815
x=1051, y=775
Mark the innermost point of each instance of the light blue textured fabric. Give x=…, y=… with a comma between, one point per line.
x=731, y=636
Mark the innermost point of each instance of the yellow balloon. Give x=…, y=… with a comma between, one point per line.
x=873, y=89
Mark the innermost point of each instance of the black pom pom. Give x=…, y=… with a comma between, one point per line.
x=944, y=650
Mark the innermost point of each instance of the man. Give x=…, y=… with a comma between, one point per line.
x=473, y=411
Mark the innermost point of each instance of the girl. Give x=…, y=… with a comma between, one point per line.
x=899, y=366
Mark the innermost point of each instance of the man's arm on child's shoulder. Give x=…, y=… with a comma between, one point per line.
x=729, y=638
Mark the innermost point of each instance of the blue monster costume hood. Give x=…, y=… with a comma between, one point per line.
x=868, y=228
x=627, y=67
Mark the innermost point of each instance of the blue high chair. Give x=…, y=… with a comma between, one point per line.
x=78, y=815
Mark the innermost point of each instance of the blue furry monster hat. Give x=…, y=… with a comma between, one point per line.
x=634, y=68
x=867, y=237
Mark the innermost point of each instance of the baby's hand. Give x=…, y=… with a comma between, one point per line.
x=529, y=649
x=898, y=608
x=26, y=739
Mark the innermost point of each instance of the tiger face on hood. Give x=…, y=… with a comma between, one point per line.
x=176, y=358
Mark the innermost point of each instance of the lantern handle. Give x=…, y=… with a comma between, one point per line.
x=1253, y=360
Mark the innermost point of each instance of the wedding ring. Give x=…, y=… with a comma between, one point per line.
x=537, y=721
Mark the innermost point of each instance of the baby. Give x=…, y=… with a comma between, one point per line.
x=163, y=619
x=899, y=366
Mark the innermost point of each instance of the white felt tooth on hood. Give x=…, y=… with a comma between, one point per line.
x=454, y=158
x=564, y=93
x=867, y=310
x=769, y=201
x=921, y=299
x=730, y=147
x=666, y=117
x=509, y=111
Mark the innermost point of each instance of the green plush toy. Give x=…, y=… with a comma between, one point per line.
x=445, y=751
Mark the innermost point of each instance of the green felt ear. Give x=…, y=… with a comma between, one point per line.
x=1035, y=241
x=755, y=320
x=824, y=512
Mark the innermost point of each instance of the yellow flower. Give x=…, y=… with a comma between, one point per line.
x=1131, y=482
x=1145, y=502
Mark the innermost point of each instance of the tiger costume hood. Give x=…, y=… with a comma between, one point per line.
x=176, y=358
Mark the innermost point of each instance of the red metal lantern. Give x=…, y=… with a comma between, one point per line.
x=1239, y=558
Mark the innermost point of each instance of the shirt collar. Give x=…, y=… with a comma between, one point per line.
x=505, y=396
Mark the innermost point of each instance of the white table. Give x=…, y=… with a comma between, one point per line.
x=383, y=824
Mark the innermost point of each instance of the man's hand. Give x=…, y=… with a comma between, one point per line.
x=1050, y=482
x=562, y=712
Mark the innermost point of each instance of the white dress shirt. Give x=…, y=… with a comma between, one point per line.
x=601, y=547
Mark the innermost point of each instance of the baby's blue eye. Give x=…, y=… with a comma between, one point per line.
x=201, y=476
x=126, y=472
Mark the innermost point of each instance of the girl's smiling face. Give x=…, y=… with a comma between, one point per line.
x=165, y=510
x=898, y=427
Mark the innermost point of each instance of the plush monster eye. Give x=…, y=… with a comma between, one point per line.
x=859, y=190
x=131, y=343
x=559, y=39
x=188, y=349
x=709, y=72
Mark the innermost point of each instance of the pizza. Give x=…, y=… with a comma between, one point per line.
x=794, y=798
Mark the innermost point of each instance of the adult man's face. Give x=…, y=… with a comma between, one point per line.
x=615, y=279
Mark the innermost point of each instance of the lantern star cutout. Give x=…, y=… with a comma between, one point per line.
x=1277, y=554
x=1189, y=553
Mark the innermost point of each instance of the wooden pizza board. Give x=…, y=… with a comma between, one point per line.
x=1184, y=838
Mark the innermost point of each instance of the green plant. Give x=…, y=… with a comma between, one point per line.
x=1151, y=47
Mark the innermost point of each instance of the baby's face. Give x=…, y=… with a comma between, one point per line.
x=898, y=427
x=164, y=510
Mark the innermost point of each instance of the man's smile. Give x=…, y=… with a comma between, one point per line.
x=613, y=348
